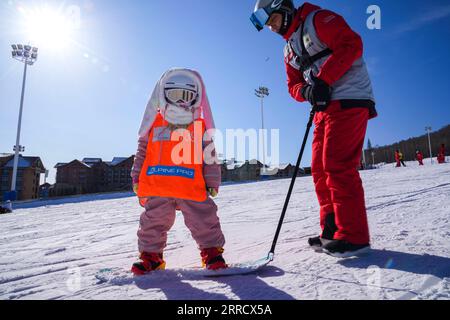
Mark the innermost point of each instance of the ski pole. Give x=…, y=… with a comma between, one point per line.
x=291, y=188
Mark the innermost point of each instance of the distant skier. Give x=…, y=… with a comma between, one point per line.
x=441, y=155
x=361, y=165
x=399, y=159
x=419, y=157
x=324, y=64
x=167, y=179
x=402, y=159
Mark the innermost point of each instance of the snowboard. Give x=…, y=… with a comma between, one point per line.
x=120, y=276
x=238, y=269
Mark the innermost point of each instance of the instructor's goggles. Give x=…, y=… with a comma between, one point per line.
x=259, y=18
x=183, y=96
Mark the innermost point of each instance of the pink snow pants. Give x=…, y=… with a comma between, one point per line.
x=159, y=217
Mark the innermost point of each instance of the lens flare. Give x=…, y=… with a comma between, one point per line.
x=47, y=27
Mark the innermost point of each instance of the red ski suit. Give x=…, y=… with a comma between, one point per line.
x=397, y=158
x=339, y=132
x=419, y=157
x=441, y=156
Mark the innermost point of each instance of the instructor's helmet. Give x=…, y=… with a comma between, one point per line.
x=265, y=8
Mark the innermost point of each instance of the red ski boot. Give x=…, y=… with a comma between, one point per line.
x=149, y=262
x=212, y=259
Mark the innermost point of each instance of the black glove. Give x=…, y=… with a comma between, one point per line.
x=318, y=94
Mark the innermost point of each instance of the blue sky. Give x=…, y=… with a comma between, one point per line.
x=88, y=100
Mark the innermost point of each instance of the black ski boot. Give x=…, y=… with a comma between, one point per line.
x=330, y=229
x=344, y=249
x=317, y=243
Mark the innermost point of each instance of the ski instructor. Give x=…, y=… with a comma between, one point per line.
x=324, y=64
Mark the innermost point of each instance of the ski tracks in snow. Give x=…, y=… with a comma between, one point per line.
x=53, y=250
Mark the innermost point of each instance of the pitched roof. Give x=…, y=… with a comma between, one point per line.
x=4, y=158
x=25, y=162
x=60, y=164
x=91, y=160
x=6, y=155
x=236, y=165
x=284, y=166
x=118, y=160
x=22, y=163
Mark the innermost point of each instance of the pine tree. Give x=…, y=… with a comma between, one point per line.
x=369, y=145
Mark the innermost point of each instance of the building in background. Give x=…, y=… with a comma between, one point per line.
x=93, y=175
x=286, y=171
x=234, y=171
x=118, y=174
x=28, y=176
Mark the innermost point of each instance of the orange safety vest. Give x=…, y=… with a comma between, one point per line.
x=161, y=176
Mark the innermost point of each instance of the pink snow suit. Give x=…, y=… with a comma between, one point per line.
x=160, y=211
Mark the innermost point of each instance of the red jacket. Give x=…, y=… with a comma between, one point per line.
x=346, y=45
x=419, y=156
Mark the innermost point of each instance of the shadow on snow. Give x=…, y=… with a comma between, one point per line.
x=177, y=286
x=407, y=262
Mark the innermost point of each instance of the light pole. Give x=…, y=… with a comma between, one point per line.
x=28, y=56
x=428, y=130
x=364, y=158
x=261, y=93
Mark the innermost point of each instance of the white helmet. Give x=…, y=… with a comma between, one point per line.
x=180, y=96
x=181, y=91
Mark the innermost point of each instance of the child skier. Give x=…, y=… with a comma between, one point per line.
x=399, y=159
x=175, y=169
x=419, y=157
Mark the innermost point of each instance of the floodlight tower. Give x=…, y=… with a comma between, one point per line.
x=261, y=93
x=28, y=56
x=428, y=130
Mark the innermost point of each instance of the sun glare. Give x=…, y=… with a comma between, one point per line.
x=47, y=28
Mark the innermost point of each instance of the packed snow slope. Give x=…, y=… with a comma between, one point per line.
x=53, y=249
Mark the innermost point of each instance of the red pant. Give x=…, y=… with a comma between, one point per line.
x=337, y=148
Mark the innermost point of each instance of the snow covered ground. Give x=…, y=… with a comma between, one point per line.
x=53, y=250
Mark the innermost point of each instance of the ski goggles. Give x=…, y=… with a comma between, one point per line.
x=184, y=96
x=259, y=18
